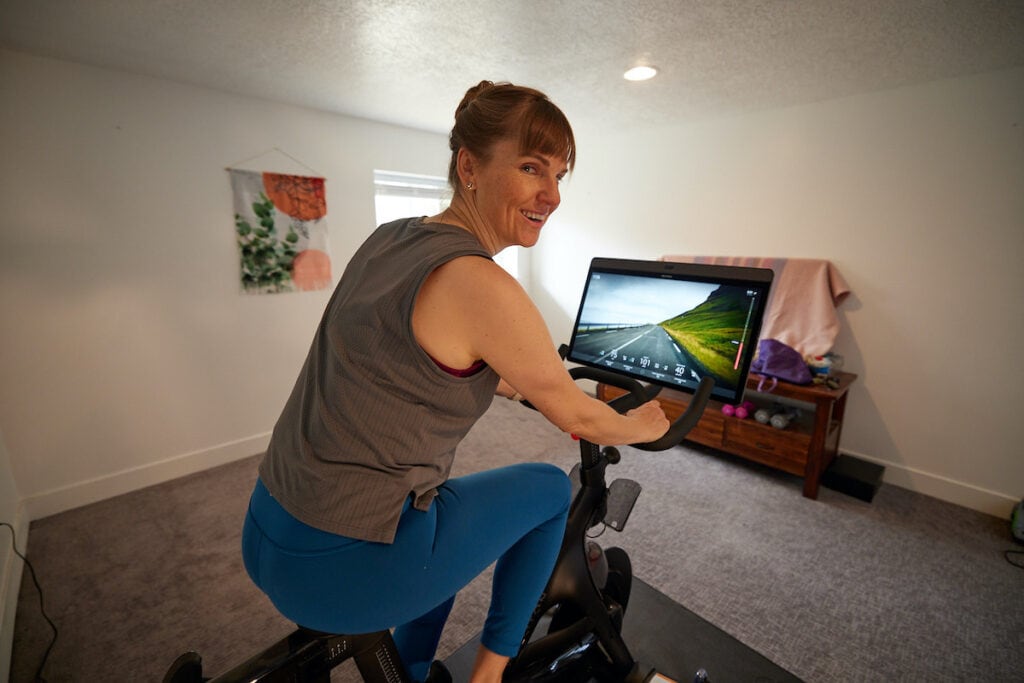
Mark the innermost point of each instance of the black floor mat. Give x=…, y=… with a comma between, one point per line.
x=674, y=640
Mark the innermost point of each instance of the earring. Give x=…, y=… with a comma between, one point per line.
x=469, y=186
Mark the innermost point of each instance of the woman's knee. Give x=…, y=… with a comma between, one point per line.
x=552, y=484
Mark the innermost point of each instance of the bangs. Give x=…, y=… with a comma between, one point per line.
x=545, y=130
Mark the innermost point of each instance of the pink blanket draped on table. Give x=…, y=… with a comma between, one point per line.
x=801, y=309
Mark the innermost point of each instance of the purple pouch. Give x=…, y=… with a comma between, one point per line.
x=780, y=361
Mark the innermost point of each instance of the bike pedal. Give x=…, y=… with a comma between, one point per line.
x=622, y=495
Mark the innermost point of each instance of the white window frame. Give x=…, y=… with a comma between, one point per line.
x=400, y=195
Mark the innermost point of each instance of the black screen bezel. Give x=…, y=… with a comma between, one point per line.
x=760, y=278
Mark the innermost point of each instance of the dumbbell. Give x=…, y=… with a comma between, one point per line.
x=742, y=411
x=776, y=416
x=782, y=420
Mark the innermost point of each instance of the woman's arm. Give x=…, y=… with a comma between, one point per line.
x=470, y=308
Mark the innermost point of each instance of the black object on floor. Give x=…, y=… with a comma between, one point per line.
x=666, y=635
x=854, y=477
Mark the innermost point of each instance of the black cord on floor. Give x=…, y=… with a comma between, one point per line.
x=1009, y=555
x=32, y=572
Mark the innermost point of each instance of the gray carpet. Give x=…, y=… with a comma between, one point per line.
x=906, y=588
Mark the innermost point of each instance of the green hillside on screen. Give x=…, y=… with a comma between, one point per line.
x=708, y=332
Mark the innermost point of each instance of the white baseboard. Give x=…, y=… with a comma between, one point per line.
x=957, y=492
x=93, y=490
x=11, y=568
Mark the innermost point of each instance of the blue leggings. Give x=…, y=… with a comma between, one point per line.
x=515, y=515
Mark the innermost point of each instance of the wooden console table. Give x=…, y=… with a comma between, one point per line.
x=805, y=448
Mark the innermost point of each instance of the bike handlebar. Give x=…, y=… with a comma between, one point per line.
x=638, y=394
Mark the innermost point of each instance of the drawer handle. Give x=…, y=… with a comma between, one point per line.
x=764, y=446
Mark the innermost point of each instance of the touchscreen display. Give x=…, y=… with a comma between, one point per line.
x=672, y=323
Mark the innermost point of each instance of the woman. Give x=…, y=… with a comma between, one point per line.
x=354, y=525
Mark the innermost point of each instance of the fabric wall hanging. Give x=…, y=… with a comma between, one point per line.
x=281, y=228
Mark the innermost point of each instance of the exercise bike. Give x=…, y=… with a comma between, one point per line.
x=586, y=597
x=574, y=633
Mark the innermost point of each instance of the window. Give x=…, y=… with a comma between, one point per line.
x=400, y=195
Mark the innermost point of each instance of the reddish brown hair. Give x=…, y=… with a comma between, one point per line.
x=491, y=112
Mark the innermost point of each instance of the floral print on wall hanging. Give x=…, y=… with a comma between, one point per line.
x=281, y=228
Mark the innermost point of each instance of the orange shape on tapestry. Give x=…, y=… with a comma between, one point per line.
x=311, y=270
x=300, y=197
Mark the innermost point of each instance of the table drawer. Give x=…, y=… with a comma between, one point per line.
x=753, y=438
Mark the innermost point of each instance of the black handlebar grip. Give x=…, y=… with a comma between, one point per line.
x=685, y=422
x=638, y=394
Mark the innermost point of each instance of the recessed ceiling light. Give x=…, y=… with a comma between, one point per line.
x=640, y=73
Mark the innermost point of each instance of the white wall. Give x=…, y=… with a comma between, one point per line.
x=916, y=194
x=11, y=512
x=130, y=356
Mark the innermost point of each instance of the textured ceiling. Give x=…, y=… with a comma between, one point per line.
x=408, y=62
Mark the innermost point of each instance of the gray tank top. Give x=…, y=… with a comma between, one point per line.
x=372, y=418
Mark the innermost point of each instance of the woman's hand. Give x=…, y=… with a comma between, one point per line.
x=651, y=420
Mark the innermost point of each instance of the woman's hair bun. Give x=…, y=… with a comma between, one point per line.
x=472, y=94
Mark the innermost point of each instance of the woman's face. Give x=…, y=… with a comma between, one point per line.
x=515, y=193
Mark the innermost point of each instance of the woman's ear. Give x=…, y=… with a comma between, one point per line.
x=466, y=165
